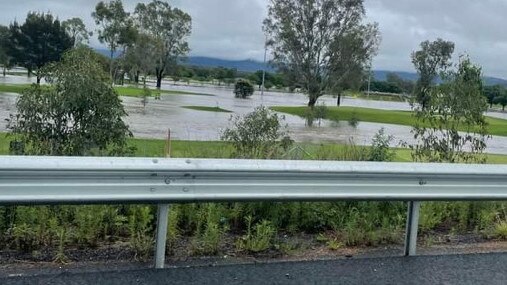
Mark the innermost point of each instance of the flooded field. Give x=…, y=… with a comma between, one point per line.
x=167, y=113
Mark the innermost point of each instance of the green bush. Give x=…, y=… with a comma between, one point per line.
x=243, y=89
x=380, y=149
x=259, y=134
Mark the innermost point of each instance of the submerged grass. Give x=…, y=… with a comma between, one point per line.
x=496, y=126
x=133, y=91
x=130, y=91
x=207, y=109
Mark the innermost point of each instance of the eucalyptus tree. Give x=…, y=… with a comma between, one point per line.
x=169, y=28
x=40, y=40
x=431, y=60
x=116, y=30
x=136, y=60
x=76, y=29
x=323, y=44
x=451, y=127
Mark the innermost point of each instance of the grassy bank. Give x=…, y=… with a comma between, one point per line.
x=374, y=96
x=13, y=88
x=497, y=127
x=217, y=149
x=129, y=91
x=132, y=91
x=207, y=109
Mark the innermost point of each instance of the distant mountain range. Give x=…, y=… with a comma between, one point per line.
x=247, y=65
x=381, y=75
x=252, y=66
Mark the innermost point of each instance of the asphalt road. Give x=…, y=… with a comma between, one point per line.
x=458, y=269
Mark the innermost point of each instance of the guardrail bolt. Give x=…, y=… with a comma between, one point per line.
x=168, y=181
x=185, y=189
x=422, y=182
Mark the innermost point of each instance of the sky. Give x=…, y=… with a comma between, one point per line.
x=231, y=29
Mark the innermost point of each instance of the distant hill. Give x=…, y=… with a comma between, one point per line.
x=249, y=65
x=381, y=75
x=241, y=65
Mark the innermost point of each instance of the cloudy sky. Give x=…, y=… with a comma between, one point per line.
x=231, y=29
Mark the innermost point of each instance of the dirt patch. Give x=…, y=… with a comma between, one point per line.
x=301, y=247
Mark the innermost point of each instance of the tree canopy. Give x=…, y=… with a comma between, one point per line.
x=37, y=42
x=324, y=44
x=116, y=27
x=169, y=28
x=76, y=29
x=455, y=104
x=79, y=114
x=431, y=60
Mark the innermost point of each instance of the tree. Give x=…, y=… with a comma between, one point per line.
x=5, y=60
x=492, y=92
x=323, y=44
x=501, y=99
x=136, y=61
x=76, y=29
x=243, y=89
x=115, y=24
x=452, y=126
x=71, y=117
x=407, y=86
x=169, y=28
x=39, y=41
x=432, y=59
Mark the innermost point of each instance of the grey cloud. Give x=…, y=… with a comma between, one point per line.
x=231, y=29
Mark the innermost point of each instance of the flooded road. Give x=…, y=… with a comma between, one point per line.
x=167, y=113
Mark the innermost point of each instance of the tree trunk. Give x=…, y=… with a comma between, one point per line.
x=111, y=65
x=38, y=79
x=136, y=77
x=339, y=99
x=5, y=71
x=313, y=101
x=159, y=80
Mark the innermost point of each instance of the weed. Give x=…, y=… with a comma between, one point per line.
x=259, y=239
x=501, y=230
x=334, y=244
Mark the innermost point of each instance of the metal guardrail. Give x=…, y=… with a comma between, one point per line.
x=94, y=180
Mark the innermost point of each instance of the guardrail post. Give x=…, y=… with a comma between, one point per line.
x=412, y=226
x=161, y=238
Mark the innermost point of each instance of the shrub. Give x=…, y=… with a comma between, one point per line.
x=380, y=150
x=243, y=89
x=259, y=134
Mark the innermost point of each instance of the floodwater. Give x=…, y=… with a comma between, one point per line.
x=167, y=113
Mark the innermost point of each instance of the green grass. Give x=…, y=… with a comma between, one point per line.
x=207, y=109
x=13, y=88
x=497, y=127
x=218, y=149
x=374, y=97
x=128, y=91
x=132, y=91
